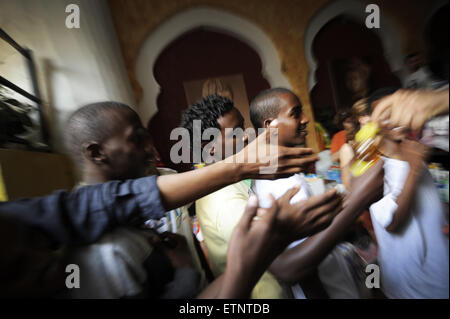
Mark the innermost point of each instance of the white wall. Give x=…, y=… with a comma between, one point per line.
x=75, y=66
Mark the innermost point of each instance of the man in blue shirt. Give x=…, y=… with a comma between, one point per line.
x=83, y=216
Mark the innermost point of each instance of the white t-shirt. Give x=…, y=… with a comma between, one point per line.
x=333, y=271
x=414, y=262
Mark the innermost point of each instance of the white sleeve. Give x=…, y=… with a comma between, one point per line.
x=384, y=210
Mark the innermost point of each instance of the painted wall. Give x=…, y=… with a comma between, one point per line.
x=284, y=21
x=74, y=66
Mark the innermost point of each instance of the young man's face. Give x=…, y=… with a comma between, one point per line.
x=292, y=122
x=129, y=153
x=233, y=120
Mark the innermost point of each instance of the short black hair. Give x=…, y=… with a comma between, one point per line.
x=208, y=110
x=266, y=104
x=93, y=122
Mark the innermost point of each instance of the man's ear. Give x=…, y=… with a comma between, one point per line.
x=267, y=122
x=93, y=152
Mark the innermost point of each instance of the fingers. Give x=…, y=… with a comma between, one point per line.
x=383, y=109
x=325, y=221
x=328, y=209
x=286, y=198
x=288, y=167
x=249, y=212
x=318, y=200
x=294, y=151
x=417, y=123
x=301, y=162
x=272, y=211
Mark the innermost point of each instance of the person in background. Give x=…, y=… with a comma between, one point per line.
x=360, y=116
x=419, y=77
x=344, y=122
x=324, y=142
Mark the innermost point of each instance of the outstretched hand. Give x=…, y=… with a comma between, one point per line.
x=410, y=108
x=265, y=159
x=262, y=234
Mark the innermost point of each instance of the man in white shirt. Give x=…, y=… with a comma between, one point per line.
x=281, y=109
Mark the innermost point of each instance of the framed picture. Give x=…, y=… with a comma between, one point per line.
x=230, y=86
x=22, y=121
x=351, y=80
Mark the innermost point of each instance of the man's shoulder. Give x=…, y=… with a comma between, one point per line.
x=228, y=192
x=220, y=203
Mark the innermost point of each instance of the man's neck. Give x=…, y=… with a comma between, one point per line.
x=390, y=149
x=92, y=176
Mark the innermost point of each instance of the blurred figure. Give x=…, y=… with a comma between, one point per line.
x=419, y=76
x=108, y=142
x=357, y=79
x=360, y=116
x=344, y=122
x=413, y=252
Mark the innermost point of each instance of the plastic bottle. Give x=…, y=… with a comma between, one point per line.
x=366, y=152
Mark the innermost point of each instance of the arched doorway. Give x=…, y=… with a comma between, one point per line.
x=336, y=57
x=190, y=19
x=194, y=57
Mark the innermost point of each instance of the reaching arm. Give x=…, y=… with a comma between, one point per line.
x=180, y=189
x=261, y=235
x=82, y=216
x=295, y=263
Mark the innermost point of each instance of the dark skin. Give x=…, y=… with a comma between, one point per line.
x=234, y=120
x=261, y=235
x=329, y=202
x=127, y=154
x=300, y=262
x=101, y=161
x=291, y=122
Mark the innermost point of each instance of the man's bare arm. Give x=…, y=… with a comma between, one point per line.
x=179, y=189
x=294, y=264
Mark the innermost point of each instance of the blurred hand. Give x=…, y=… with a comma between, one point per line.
x=410, y=108
x=414, y=153
x=175, y=247
x=264, y=160
x=307, y=217
x=262, y=234
x=259, y=240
